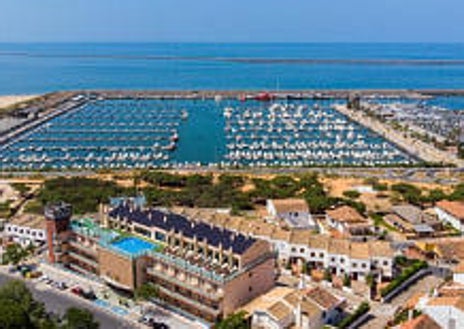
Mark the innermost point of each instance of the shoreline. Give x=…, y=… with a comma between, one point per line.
x=11, y=100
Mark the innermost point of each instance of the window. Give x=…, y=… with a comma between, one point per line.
x=321, y=255
x=313, y=254
x=354, y=265
x=250, y=274
x=363, y=265
x=293, y=249
x=302, y=250
x=250, y=289
x=385, y=263
x=342, y=260
x=332, y=259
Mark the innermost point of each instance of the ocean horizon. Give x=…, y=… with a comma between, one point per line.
x=30, y=68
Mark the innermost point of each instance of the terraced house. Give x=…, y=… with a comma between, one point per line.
x=200, y=269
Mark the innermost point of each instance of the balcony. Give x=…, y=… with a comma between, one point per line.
x=80, y=269
x=187, y=267
x=193, y=303
x=185, y=284
x=85, y=248
x=83, y=259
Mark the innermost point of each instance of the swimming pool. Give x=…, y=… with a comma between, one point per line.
x=133, y=245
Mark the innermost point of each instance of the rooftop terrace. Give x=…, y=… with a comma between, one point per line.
x=214, y=235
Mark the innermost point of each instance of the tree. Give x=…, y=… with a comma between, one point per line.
x=370, y=280
x=76, y=318
x=146, y=291
x=234, y=321
x=328, y=275
x=19, y=310
x=18, y=307
x=13, y=316
x=352, y=194
x=14, y=254
x=347, y=281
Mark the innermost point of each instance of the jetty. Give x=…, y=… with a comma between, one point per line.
x=414, y=146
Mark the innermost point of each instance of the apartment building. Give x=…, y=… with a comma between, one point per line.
x=200, y=269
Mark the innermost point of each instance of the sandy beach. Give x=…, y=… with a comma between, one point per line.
x=6, y=101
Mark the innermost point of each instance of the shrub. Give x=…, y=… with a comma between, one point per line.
x=405, y=275
x=352, y=194
x=362, y=309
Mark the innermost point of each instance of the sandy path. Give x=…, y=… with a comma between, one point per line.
x=6, y=101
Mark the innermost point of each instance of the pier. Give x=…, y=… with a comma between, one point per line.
x=416, y=147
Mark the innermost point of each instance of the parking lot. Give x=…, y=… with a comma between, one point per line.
x=59, y=291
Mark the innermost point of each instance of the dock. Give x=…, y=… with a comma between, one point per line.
x=413, y=146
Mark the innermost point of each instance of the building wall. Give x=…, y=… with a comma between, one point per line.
x=271, y=210
x=286, y=251
x=458, y=277
x=360, y=266
x=258, y=249
x=263, y=320
x=445, y=217
x=25, y=235
x=249, y=285
x=300, y=215
x=312, y=321
x=116, y=267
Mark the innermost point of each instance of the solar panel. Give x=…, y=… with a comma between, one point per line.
x=165, y=221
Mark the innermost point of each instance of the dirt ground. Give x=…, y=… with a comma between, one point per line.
x=6, y=101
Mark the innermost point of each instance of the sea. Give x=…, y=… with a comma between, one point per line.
x=37, y=68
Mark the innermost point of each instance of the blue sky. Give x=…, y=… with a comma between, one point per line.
x=232, y=20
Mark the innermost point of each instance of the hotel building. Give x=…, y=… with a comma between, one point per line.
x=200, y=270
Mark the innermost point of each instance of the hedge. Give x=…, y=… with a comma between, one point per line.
x=362, y=309
x=405, y=275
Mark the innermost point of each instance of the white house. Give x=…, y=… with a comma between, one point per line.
x=458, y=273
x=448, y=312
x=451, y=212
x=284, y=307
x=295, y=212
x=26, y=229
x=348, y=221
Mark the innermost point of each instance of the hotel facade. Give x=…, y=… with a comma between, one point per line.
x=200, y=269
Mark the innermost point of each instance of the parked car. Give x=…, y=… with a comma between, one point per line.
x=61, y=285
x=160, y=325
x=90, y=295
x=147, y=319
x=77, y=291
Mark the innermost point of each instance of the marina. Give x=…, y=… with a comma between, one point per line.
x=192, y=132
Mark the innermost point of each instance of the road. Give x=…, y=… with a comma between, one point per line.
x=58, y=302
x=382, y=313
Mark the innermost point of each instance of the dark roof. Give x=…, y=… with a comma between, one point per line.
x=166, y=221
